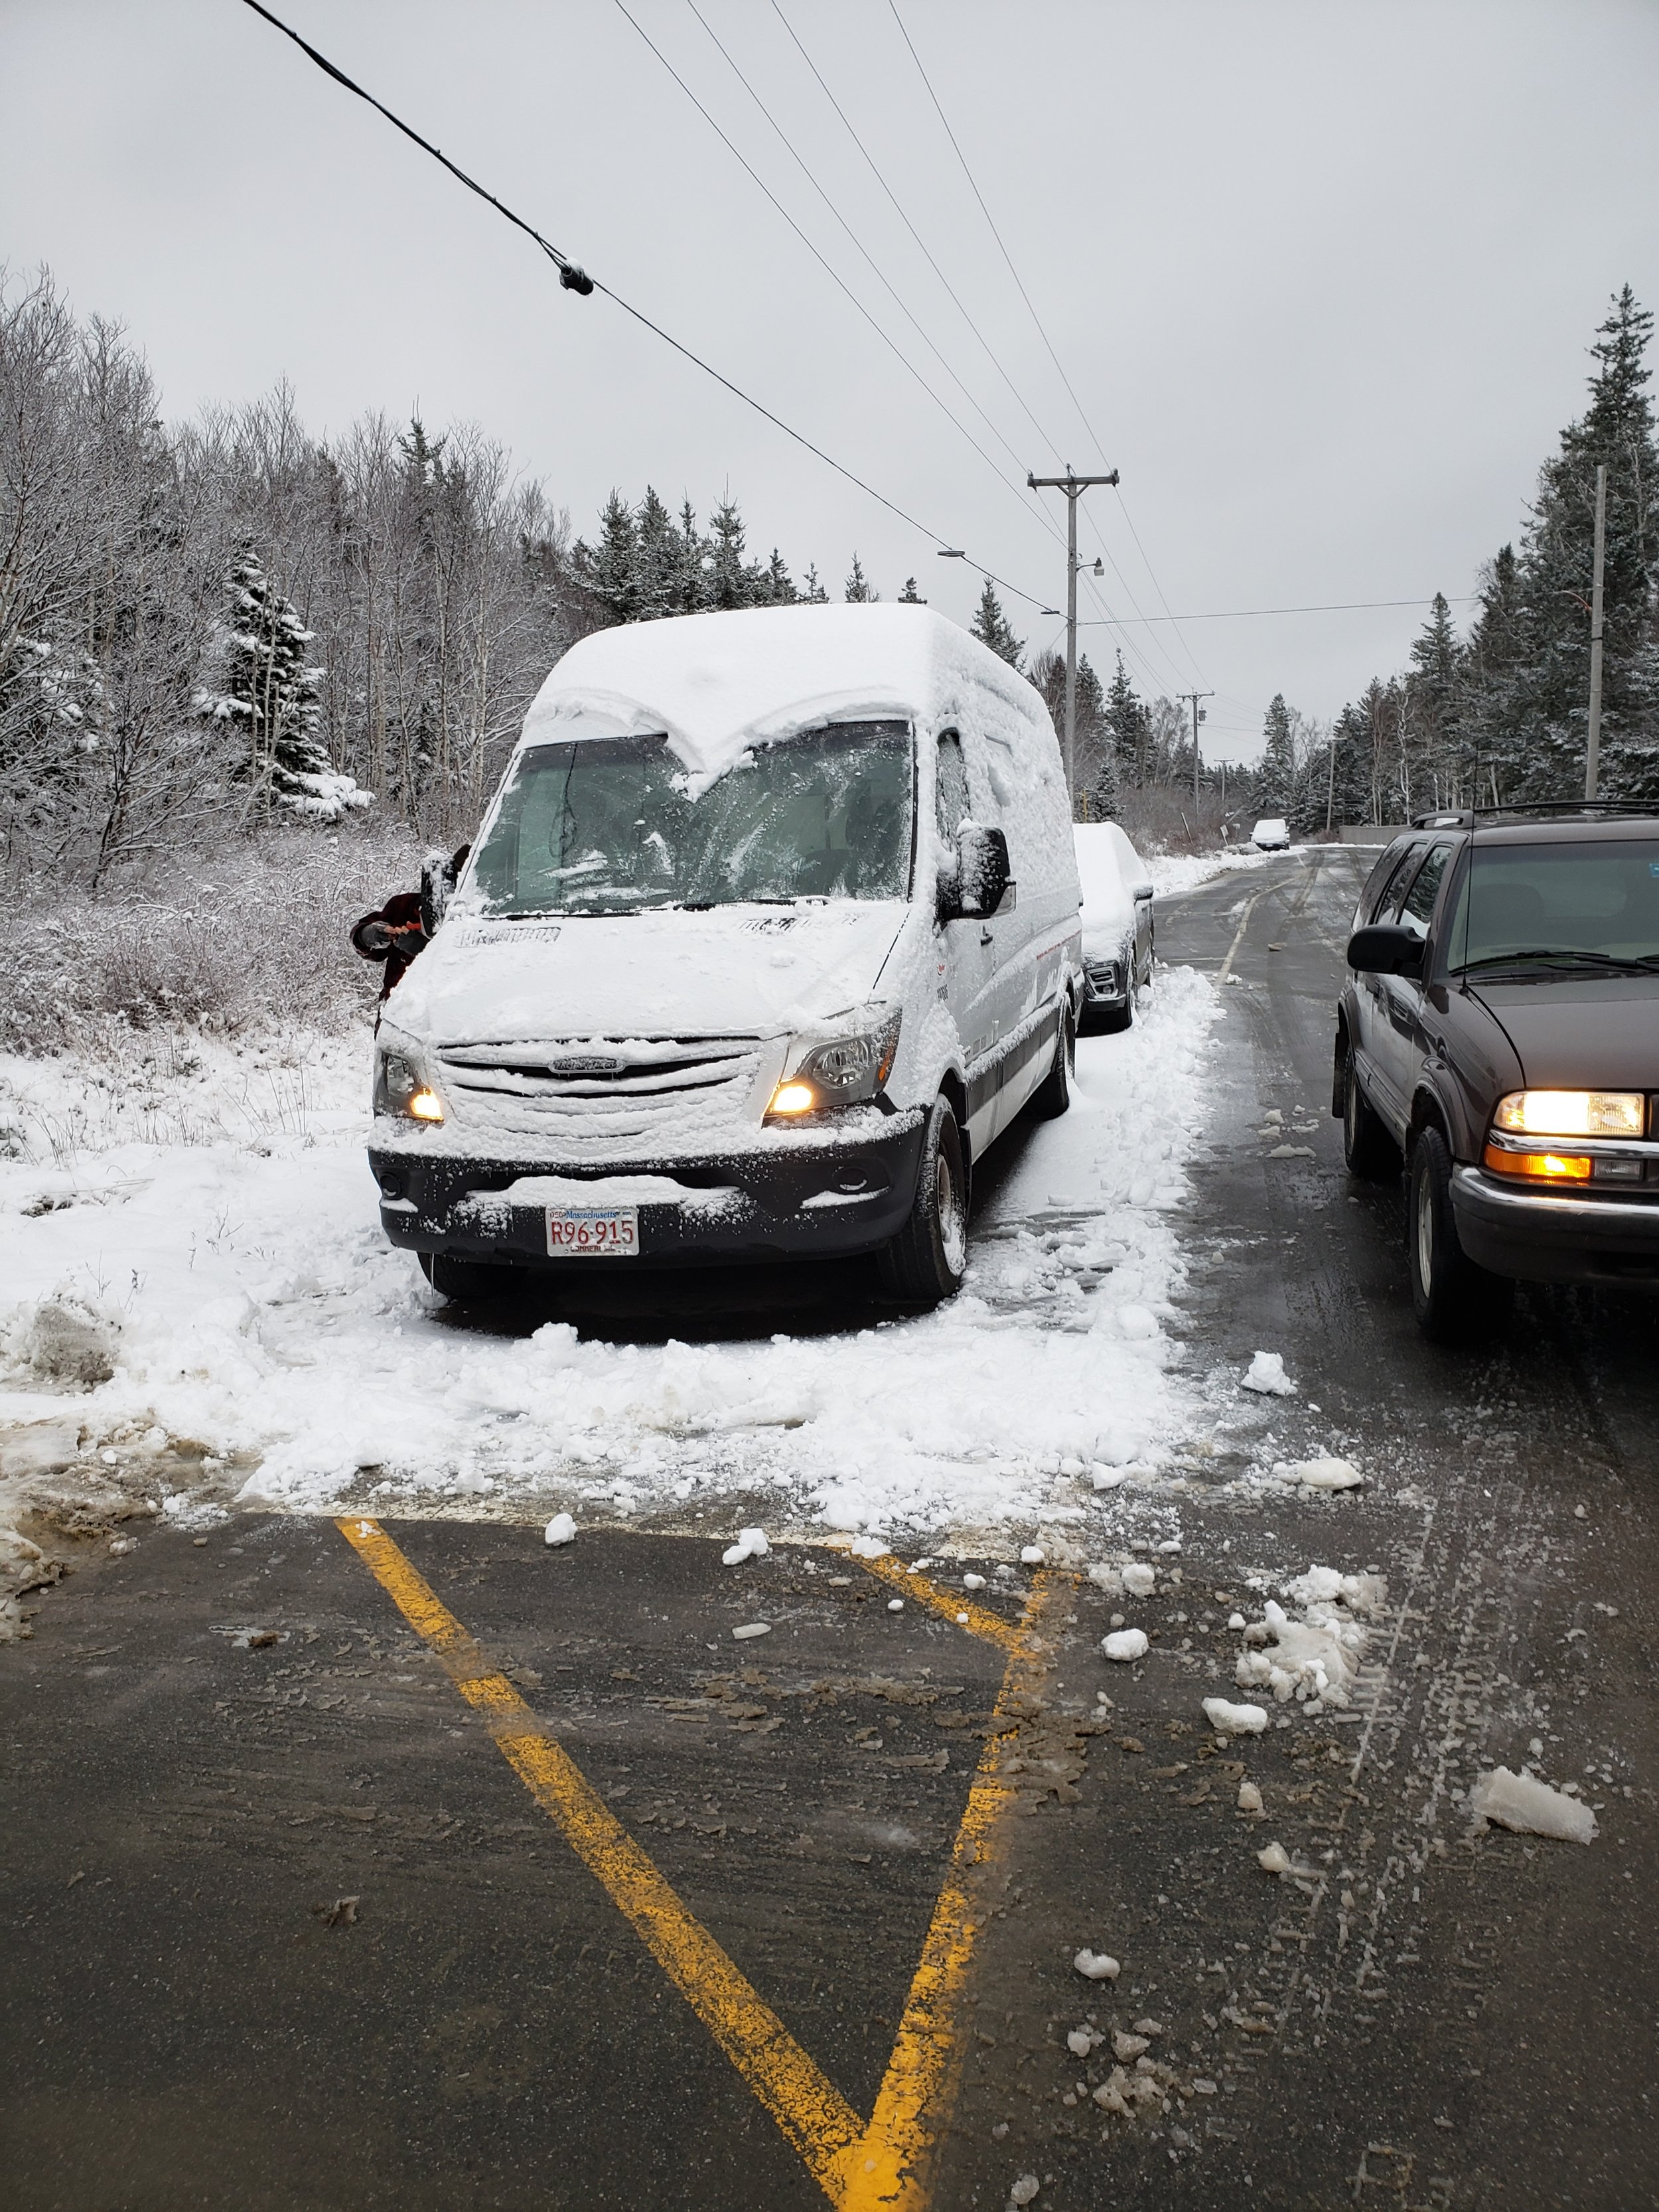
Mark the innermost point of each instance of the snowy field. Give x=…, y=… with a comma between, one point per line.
x=199, y=1302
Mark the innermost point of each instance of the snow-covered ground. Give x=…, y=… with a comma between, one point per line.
x=1174, y=874
x=197, y=1289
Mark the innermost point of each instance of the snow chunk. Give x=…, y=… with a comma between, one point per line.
x=1138, y=1578
x=1266, y=1373
x=1530, y=1807
x=1096, y=1966
x=753, y=1628
x=896, y=1605
x=1234, y=1720
x=1319, y=1473
x=868, y=1547
x=751, y=1544
x=1249, y=1797
x=1125, y=1644
x=561, y=1529
x=1126, y=2046
x=1081, y=2041
x=1275, y=1859
x=1032, y=1555
x=973, y=1582
x=1023, y=2190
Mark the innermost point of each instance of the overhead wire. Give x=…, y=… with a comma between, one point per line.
x=1330, y=607
x=576, y=279
x=795, y=155
x=828, y=267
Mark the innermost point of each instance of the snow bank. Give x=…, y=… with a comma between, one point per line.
x=1174, y=874
x=1530, y=1807
x=218, y=1226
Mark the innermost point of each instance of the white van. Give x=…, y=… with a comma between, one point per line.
x=770, y=932
x=1117, y=923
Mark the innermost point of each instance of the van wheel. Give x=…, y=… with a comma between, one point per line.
x=1053, y=1094
x=1453, y=1298
x=925, y=1262
x=464, y=1282
x=1370, y=1151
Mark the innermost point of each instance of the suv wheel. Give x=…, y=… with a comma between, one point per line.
x=1452, y=1296
x=1370, y=1151
x=1053, y=1094
x=464, y=1282
x=925, y=1263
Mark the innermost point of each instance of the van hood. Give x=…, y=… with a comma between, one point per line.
x=1581, y=1033
x=732, y=970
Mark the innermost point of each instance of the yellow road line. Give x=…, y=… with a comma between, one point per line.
x=890, y=2167
x=950, y=1605
x=859, y=2168
x=813, y=2115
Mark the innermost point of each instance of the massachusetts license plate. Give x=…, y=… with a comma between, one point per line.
x=593, y=1232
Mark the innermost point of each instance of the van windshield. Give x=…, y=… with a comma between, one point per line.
x=1533, y=911
x=605, y=825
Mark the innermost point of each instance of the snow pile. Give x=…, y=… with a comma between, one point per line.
x=561, y=1529
x=1125, y=1644
x=216, y=1230
x=1096, y=1966
x=1234, y=1720
x=1319, y=1473
x=1175, y=874
x=1315, y=1659
x=751, y=1544
x=1266, y=1373
x=1530, y=1807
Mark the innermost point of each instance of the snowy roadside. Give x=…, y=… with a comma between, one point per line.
x=1175, y=874
x=201, y=1306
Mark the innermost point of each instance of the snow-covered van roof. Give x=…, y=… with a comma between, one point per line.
x=717, y=684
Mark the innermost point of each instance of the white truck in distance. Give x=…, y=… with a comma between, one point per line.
x=771, y=929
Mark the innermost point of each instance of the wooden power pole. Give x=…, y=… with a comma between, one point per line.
x=1592, y=749
x=1071, y=484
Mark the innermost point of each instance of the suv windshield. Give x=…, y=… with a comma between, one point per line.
x=607, y=825
x=1543, y=910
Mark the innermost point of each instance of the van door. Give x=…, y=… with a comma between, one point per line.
x=964, y=970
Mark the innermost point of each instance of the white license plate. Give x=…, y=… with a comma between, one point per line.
x=593, y=1232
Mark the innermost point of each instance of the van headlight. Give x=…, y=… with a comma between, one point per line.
x=847, y=1068
x=401, y=1087
x=1571, y=1113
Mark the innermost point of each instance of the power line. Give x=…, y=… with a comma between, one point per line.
x=996, y=233
x=869, y=160
x=905, y=310
x=1236, y=614
x=1156, y=586
x=576, y=279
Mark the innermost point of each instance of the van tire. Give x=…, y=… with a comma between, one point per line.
x=464, y=1282
x=1052, y=1096
x=1454, y=1300
x=925, y=1263
x=1369, y=1151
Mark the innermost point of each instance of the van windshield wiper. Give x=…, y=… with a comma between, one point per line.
x=1638, y=963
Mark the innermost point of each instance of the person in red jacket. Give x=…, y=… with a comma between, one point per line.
x=400, y=931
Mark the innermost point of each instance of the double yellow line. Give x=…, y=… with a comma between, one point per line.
x=858, y=2166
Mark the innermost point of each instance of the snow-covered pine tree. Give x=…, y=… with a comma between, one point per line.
x=1275, y=780
x=267, y=695
x=911, y=597
x=1489, y=677
x=1440, y=773
x=731, y=580
x=691, y=564
x=1125, y=715
x=991, y=626
x=656, y=559
x=858, y=590
x=811, y=590
x=608, y=569
x=777, y=586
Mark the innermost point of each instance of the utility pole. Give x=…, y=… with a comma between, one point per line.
x=1195, y=696
x=1330, y=785
x=1071, y=484
x=1593, y=751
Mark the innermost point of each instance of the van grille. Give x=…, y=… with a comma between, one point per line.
x=602, y=1092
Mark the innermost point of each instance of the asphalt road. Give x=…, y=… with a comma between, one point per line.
x=287, y=1927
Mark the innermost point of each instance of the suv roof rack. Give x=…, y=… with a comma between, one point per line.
x=1471, y=818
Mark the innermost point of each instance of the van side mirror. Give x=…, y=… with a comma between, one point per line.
x=982, y=878
x=1386, y=949
x=438, y=877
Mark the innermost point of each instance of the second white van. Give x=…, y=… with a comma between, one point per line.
x=769, y=933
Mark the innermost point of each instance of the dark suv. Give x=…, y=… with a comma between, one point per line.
x=1499, y=1029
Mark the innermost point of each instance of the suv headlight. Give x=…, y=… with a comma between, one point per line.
x=401, y=1088
x=844, y=1069
x=1571, y=1113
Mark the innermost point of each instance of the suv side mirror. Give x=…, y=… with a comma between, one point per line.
x=982, y=878
x=1386, y=949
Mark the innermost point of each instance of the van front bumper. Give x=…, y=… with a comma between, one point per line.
x=819, y=1201
x=1548, y=1236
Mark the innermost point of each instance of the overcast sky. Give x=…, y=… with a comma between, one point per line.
x=1321, y=276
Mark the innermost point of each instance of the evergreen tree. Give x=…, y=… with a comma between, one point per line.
x=731, y=580
x=1348, y=789
x=268, y=695
x=991, y=626
x=1275, y=780
x=911, y=597
x=1491, y=676
x=608, y=568
x=777, y=586
x=691, y=567
x=656, y=560
x=1439, y=775
x=813, y=591
x=1125, y=719
x=858, y=592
